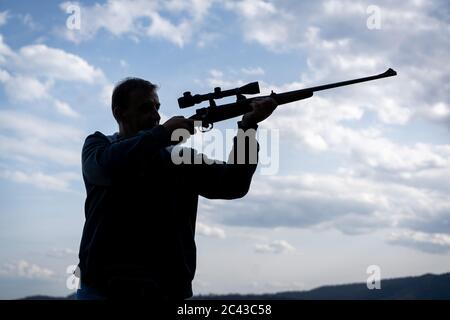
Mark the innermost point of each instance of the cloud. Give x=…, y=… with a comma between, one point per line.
x=25, y=89
x=4, y=75
x=56, y=64
x=377, y=178
x=276, y=246
x=430, y=243
x=62, y=253
x=34, y=138
x=25, y=269
x=217, y=78
x=5, y=51
x=3, y=17
x=278, y=286
x=123, y=63
x=335, y=40
x=23, y=124
x=57, y=182
x=353, y=205
x=319, y=125
x=440, y=111
x=138, y=19
x=35, y=150
x=209, y=231
x=323, y=125
x=253, y=71
x=65, y=109
x=262, y=22
x=27, y=20
x=33, y=70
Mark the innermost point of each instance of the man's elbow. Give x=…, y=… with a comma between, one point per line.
x=238, y=192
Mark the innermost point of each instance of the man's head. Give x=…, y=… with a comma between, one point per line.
x=135, y=105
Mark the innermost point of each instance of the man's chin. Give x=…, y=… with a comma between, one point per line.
x=150, y=125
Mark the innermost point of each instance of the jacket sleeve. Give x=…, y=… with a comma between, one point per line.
x=229, y=180
x=103, y=161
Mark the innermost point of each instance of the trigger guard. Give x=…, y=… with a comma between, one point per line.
x=208, y=128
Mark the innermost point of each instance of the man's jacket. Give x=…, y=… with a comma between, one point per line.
x=141, y=211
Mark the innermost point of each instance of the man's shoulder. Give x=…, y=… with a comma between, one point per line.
x=98, y=139
x=97, y=135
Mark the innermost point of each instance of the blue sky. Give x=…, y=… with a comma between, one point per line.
x=363, y=170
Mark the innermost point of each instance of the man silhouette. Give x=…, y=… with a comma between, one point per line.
x=140, y=209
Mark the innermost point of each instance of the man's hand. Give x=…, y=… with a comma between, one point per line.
x=262, y=108
x=179, y=122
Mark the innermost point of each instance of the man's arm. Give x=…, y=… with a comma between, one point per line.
x=231, y=179
x=103, y=161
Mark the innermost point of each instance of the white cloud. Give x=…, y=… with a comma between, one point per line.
x=25, y=269
x=140, y=18
x=36, y=151
x=276, y=246
x=440, y=111
x=353, y=205
x=23, y=135
x=62, y=253
x=262, y=22
x=432, y=243
x=25, y=89
x=123, y=63
x=117, y=17
x=3, y=17
x=32, y=72
x=65, y=109
x=27, y=20
x=209, y=231
x=379, y=180
x=163, y=28
x=4, y=75
x=26, y=125
x=105, y=94
x=217, y=79
x=253, y=71
x=321, y=125
x=334, y=7
x=337, y=44
x=5, y=51
x=216, y=73
x=277, y=286
x=56, y=64
x=56, y=182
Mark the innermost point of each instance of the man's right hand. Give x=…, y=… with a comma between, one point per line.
x=179, y=122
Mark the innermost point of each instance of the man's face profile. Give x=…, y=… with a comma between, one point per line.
x=142, y=110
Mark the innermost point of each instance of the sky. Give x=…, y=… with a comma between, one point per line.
x=360, y=174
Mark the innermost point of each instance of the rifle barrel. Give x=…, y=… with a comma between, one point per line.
x=389, y=73
x=291, y=96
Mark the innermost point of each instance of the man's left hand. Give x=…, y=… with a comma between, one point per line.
x=262, y=109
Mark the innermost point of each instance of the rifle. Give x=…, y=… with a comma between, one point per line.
x=212, y=114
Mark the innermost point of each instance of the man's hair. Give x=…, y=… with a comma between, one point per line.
x=122, y=91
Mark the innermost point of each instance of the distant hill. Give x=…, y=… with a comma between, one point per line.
x=428, y=286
